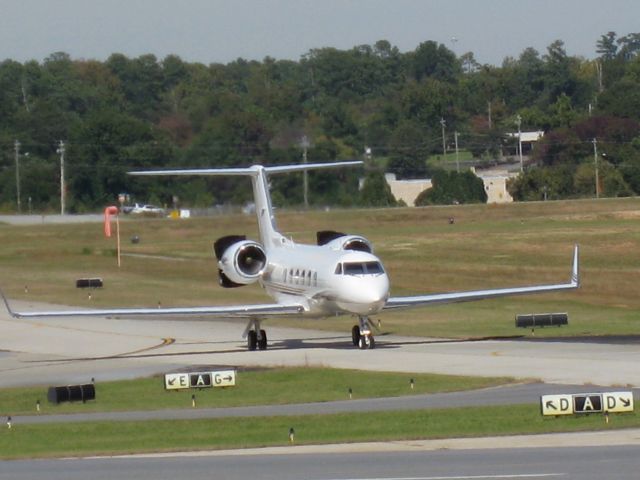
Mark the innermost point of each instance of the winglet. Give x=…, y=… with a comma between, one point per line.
x=6, y=304
x=575, y=270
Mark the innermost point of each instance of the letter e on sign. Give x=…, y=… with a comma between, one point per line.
x=176, y=381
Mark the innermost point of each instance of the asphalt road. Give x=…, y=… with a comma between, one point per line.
x=49, y=219
x=566, y=463
x=503, y=395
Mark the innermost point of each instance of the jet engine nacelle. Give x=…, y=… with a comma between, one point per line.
x=342, y=241
x=240, y=261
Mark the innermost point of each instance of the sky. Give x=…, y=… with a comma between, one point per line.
x=217, y=31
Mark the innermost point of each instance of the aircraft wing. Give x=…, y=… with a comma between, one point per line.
x=455, y=297
x=232, y=311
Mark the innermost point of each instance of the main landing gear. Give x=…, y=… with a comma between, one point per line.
x=361, y=335
x=256, y=337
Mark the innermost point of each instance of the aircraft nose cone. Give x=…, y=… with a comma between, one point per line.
x=369, y=297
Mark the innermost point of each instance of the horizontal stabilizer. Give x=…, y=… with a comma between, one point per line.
x=251, y=171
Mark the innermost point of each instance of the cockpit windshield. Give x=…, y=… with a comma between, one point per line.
x=359, y=268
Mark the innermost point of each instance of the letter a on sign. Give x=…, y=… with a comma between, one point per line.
x=200, y=380
x=587, y=405
x=587, y=402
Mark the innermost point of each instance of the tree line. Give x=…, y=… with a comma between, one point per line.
x=131, y=113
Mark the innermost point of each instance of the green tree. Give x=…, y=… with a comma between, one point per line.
x=408, y=152
x=606, y=46
x=376, y=191
x=452, y=188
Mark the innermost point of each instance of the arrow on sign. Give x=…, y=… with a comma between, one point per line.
x=224, y=378
x=556, y=405
x=625, y=401
x=174, y=381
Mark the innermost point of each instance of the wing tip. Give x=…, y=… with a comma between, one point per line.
x=7, y=306
x=575, y=269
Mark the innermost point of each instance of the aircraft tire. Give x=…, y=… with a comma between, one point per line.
x=252, y=340
x=262, y=343
x=355, y=335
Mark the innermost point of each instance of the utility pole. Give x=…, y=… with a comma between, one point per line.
x=61, y=150
x=595, y=161
x=16, y=146
x=599, y=72
x=455, y=136
x=519, y=122
x=444, y=144
x=304, y=143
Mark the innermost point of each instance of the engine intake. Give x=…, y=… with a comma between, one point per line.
x=342, y=241
x=240, y=261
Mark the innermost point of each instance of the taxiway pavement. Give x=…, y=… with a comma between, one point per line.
x=74, y=350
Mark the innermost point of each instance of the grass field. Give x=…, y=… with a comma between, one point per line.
x=109, y=438
x=487, y=246
x=254, y=387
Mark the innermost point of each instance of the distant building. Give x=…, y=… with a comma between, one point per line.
x=529, y=139
x=496, y=188
x=495, y=184
x=407, y=190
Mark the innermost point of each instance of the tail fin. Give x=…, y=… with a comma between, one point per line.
x=269, y=236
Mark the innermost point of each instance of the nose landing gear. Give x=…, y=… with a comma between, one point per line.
x=361, y=335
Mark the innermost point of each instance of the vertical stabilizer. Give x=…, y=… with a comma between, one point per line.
x=269, y=235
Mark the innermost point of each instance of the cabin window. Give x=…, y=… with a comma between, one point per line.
x=315, y=279
x=309, y=278
x=338, y=269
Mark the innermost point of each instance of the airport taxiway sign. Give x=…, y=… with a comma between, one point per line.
x=617, y=402
x=606, y=402
x=224, y=378
x=556, y=404
x=587, y=403
x=214, y=378
x=176, y=381
x=200, y=380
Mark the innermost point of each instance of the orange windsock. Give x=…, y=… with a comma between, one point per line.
x=112, y=210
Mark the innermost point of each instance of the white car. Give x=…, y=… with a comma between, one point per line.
x=150, y=210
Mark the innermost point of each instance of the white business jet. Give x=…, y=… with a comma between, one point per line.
x=338, y=276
